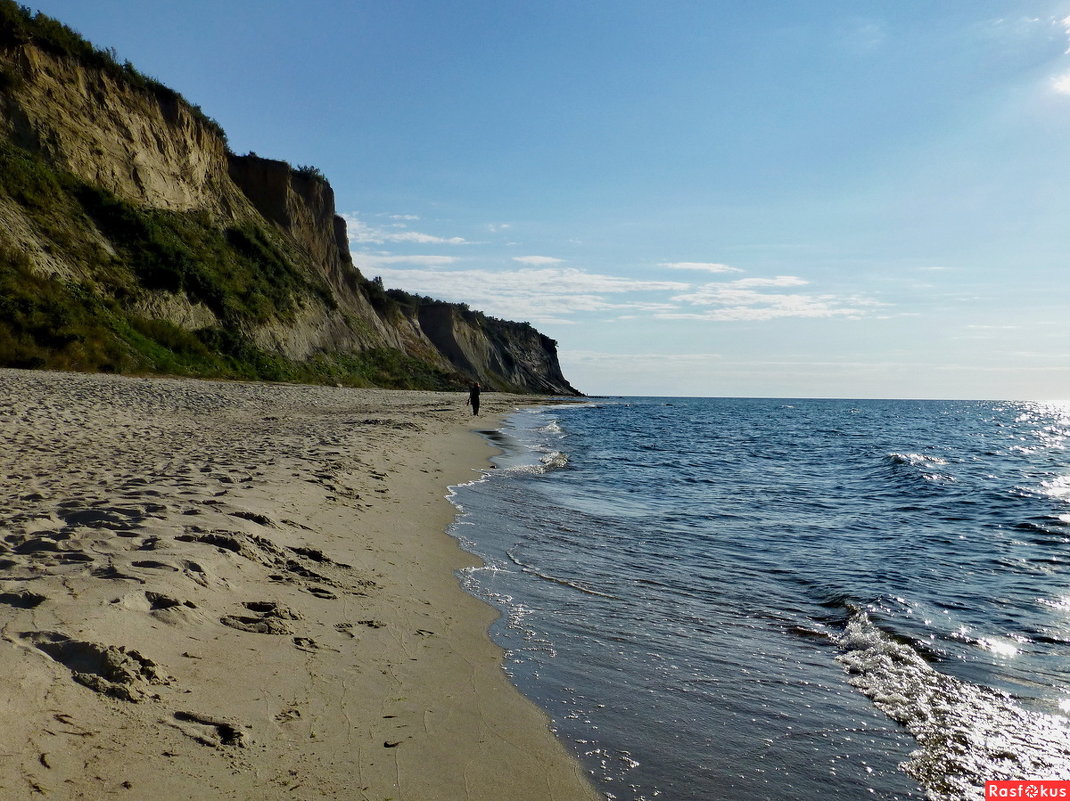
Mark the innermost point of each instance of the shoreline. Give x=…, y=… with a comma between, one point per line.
x=230, y=590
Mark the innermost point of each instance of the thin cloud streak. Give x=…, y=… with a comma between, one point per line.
x=700, y=266
x=373, y=260
x=537, y=261
x=361, y=232
x=742, y=300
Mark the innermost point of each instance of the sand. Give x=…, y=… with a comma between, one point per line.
x=214, y=590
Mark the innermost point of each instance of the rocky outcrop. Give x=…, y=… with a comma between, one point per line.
x=131, y=238
x=300, y=202
x=514, y=356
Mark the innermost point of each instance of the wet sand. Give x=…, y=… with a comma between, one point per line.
x=221, y=590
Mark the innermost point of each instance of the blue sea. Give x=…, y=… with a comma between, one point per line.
x=785, y=599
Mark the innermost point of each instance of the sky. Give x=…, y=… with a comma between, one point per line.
x=763, y=198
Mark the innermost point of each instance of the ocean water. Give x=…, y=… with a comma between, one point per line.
x=769, y=599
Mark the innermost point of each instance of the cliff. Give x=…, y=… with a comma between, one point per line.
x=133, y=240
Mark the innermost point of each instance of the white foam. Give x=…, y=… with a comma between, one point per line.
x=1058, y=487
x=549, y=460
x=917, y=459
x=967, y=733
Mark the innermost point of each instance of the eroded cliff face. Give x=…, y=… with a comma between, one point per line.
x=118, y=195
x=300, y=203
x=510, y=356
x=142, y=147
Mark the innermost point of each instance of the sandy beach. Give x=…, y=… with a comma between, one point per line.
x=215, y=590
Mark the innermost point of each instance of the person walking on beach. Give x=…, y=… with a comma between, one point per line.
x=473, y=398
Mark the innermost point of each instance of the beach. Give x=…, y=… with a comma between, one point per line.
x=225, y=590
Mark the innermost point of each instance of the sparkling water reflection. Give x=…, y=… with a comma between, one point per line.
x=758, y=599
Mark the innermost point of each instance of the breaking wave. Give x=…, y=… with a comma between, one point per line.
x=967, y=733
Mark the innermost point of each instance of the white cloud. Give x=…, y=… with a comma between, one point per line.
x=373, y=260
x=701, y=266
x=644, y=361
x=743, y=300
x=540, y=289
x=1061, y=84
x=780, y=281
x=361, y=232
x=537, y=261
x=538, y=294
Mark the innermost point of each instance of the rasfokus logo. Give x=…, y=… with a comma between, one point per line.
x=1038, y=789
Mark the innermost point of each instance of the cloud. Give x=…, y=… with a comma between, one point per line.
x=538, y=294
x=701, y=266
x=780, y=281
x=373, y=260
x=541, y=289
x=745, y=300
x=537, y=261
x=1061, y=84
x=644, y=361
x=361, y=232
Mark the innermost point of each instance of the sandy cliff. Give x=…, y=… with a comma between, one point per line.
x=132, y=239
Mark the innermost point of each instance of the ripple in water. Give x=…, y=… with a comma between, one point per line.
x=814, y=600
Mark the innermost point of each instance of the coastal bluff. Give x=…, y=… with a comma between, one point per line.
x=132, y=240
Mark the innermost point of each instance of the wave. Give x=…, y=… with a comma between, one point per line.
x=552, y=428
x=916, y=459
x=554, y=460
x=563, y=582
x=921, y=464
x=1058, y=488
x=549, y=460
x=968, y=734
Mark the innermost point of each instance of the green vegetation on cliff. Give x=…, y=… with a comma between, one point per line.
x=241, y=273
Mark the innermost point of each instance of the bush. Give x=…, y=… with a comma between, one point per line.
x=310, y=172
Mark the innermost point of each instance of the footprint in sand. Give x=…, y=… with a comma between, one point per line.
x=22, y=599
x=160, y=601
x=107, y=669
x=271, y=618
x=210, y=731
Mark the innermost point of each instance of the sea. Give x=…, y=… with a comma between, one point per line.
x=785, y=599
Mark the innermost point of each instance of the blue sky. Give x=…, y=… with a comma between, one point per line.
x=756, y=198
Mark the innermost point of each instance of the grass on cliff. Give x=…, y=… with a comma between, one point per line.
x=46, y=323
x=242, y=273
x=239, y=272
